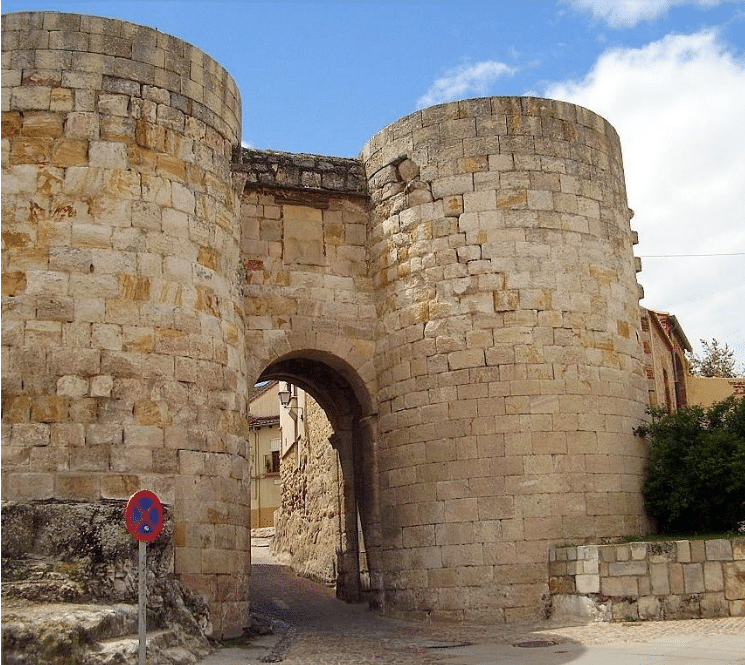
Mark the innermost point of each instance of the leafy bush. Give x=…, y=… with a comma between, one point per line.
x=696, y=472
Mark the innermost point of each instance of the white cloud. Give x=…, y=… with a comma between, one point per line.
x=678, y=106
x=464, y=81
x=627, y=13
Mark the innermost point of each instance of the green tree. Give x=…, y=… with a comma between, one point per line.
x=696, y=473
x=717, y=360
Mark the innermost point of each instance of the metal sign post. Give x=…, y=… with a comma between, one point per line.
x=142, y=605
x=144, y=517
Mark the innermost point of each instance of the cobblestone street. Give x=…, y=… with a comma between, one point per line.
x=312, y=627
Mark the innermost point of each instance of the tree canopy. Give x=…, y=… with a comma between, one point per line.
x=716, y=360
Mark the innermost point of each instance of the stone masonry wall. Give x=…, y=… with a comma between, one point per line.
x=123, y=364
x=462, y=302
x=309, y=522
x=304, y=253
x=666, y=580
x=509, y=369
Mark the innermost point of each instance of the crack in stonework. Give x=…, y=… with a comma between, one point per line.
x=535, y=643
x=442, y=644
x=279, y=651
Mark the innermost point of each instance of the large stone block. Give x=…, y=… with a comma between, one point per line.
x=718, y=550
x=77, y=487
x=734, y=580
x=714, y=605
x=588, y=584
x=628, y=568
x=713, y=576
x=620, y=586
x=659, y=575
x=693, y=578
x=649, y=608
x=30, y=486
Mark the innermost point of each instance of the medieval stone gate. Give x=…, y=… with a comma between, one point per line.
x=461, y=300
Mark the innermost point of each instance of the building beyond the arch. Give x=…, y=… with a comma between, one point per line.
x=461, y=300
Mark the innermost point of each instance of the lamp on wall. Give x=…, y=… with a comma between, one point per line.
x=284, y=396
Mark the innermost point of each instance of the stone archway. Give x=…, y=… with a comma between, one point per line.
x=339, y=391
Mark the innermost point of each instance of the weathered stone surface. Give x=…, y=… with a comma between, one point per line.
x=628, y=568
x=714, y=605
x=98, y=406
x=307, y=530
x=718, y=550
x=734, y=580
x=60, y=559
x=588, y=584
x=425, y=291
x=693, y=578
x=620, y=586
x=14, y=283
x=659, y=579
x=667, y=590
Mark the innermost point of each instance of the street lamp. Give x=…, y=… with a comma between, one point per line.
x=285, y=396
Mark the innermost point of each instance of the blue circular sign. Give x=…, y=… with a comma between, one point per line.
x=144, y=515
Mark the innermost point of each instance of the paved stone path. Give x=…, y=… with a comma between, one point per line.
x=312, y=627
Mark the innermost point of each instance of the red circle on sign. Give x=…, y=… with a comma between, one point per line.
x=144, y=515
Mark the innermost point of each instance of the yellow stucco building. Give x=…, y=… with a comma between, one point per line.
x=265, y=441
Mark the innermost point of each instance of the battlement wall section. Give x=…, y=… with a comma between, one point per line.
x=312, y=173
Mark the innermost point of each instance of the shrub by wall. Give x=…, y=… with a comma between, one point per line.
x=696, y=473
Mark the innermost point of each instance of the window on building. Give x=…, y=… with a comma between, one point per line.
x=681, y=398
x=271, y=462
x=667, y=390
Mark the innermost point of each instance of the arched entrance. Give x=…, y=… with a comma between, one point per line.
x=341, y=394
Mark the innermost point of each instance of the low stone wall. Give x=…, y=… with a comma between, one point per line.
x=659, y=580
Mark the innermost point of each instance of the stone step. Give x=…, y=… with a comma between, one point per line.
x=63, y=633
x=163, y=648
x=41, y=579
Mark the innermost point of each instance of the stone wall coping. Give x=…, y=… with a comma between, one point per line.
x=709, y=549
x=301, y=171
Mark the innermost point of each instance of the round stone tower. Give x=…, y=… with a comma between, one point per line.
x=123, y=363
x=508, y=358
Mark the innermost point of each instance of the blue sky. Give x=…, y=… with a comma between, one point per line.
x=322, y=77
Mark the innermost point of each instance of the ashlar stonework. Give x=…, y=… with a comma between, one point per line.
x=649, y=581
x=461, y=301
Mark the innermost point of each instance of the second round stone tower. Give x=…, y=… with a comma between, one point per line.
x=508, y=358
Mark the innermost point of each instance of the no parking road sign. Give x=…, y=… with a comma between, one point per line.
x=144, y=516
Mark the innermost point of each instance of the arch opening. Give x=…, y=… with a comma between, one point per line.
x=342, y=396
